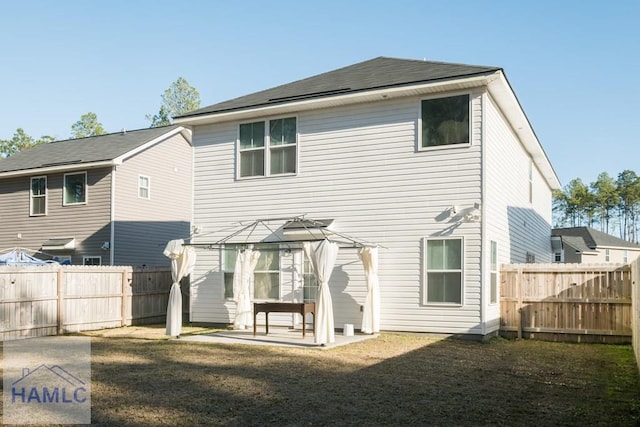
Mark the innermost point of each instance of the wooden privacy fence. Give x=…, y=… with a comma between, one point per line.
x=635, y=297
x=567, y=302
x=50, y=300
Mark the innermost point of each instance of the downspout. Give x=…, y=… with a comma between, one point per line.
x=483, y=218
x=112, y=216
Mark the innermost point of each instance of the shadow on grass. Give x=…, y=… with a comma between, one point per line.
x=436, y=382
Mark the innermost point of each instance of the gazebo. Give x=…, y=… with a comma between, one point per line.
x=320, y=244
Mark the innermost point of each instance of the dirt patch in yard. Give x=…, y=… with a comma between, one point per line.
x=391, y=380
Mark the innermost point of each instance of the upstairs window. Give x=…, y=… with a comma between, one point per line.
x=38, y=202
x=75, y=189
x=443, y=271
x=445, y=121
x=268, y=148
x=144, y=184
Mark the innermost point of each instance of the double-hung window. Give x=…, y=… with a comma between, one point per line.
x=266, y=283
x=38, y=199
x=144, y=186
x=75, y=189
x=443, y=271
x=268, y=148
x=445, y=121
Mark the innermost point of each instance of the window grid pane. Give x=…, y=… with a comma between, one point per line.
x=252, y=135
x=283, y=160
x=252, y=163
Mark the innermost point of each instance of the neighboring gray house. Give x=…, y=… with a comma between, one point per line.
x=588, y=245
x=436, y=162
x=113, y=199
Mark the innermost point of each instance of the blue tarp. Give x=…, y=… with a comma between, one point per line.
x=18, y=257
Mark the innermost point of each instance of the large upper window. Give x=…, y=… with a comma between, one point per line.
x=266, y=284
x=443, y=271
x=75, y=188
x=268, y=148
x=38, y=202
x=445, y=121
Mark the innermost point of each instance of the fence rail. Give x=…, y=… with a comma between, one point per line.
x=567, y=302
x=40, y=301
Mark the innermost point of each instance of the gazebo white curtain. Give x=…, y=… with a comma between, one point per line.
x=243, y=280
x=323, y=257
x=371, y=310
x=183, y=259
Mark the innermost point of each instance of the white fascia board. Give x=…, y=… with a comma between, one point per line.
x=55, y=169
x=501, y=91
x=119, y=160
x=338, y=100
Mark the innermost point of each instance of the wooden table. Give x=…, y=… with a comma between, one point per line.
x=284, y=307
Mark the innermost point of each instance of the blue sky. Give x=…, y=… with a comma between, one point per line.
x=574, y=64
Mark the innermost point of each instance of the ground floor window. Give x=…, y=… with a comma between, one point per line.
x=309, y=281
x=443, y=271
x=266, y=274
x=91, y=260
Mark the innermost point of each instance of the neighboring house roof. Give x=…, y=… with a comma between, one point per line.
x=377, y=73
x=587, y=239
x=102, y=150
x=376, y=80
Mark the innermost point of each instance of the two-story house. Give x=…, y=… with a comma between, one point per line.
x=588, y=245
x=113, y=199
x=435, y=162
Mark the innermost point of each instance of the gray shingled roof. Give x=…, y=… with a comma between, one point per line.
x=587, y=238
x=377, y=73
x=83, y=150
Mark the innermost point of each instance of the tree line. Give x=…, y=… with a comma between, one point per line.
x=178, y=99
x=610, y=204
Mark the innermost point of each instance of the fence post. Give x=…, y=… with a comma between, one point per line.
x=519, y=277
x=126, y=297
x=60, y=291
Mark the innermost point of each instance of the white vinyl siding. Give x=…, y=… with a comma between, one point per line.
x=359, y=165
x=143, y=227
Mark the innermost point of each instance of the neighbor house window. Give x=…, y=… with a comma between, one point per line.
x=75, y=188
x=91, y=260
x=557, y=257
x=144, y=184
x=625, y=256
x=443, y=271
x=38, y=203
x=445, y=121
x=266, y=284
x=309, y=281
x=494, y=273
x=268, y=148
x=607, y=255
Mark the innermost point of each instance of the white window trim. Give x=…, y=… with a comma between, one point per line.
x=448, y=146
x=148, y=187
x=267, y=148
x=425, y=271
x=86, y=189
x=46, y=196
x=85, y=258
